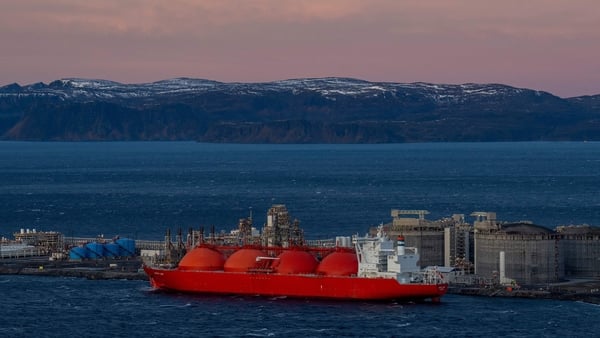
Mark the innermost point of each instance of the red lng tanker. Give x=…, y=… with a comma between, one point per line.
x=368, y=268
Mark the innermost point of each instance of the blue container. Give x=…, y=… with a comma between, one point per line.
x=95, y=250
x=126, y=247
x=78, y=253
x=112, y=250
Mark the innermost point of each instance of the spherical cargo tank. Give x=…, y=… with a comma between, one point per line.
x=202, y=258
x=295, y=262
x=339, y=263
x=242, y=260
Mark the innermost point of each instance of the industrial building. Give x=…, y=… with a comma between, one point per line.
x=48, y=241
x=459, y=245
x=490, y=250
x=443, y=242
x=503, y=252
x=280, y=230
x=420, y=233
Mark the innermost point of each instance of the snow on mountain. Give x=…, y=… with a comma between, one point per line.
x=310, y=110
x=330, y=88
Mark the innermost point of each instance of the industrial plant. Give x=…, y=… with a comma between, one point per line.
x=485, y=251
x=500, y=252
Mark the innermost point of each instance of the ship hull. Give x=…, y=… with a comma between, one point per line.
x=296, y=286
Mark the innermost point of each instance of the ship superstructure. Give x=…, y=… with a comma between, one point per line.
x=380, y=257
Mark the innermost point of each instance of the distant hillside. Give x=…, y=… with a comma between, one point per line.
x=325, y=110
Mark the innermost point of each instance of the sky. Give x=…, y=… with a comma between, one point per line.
x=549, y=45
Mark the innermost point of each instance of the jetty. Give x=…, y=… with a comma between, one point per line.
x=90, y=269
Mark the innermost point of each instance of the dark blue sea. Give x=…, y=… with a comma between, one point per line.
x=138, y=190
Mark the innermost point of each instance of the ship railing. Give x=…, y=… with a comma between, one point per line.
x=432, y=276
x=263, y=264
x=261, y=270
x=321, y=243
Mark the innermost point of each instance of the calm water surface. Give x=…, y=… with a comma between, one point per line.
x=141, y=189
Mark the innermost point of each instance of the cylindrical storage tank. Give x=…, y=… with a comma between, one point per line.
x=343, y=241
x=202, y=258
x=78, y=253
x=127, y=247
x=95, y=250
x=339, y=264
x=295, y=262
x=112, y=250
x=430, y=245
x=348, y=242
x=242, y=260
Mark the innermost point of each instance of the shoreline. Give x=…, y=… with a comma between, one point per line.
x=574, y=293
x=587, y=291
x=90, y=269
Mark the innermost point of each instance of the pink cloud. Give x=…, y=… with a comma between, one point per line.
x=541, y=44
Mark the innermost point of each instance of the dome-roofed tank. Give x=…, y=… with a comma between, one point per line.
x=112, y=250
x=95, y=250
x=242, y=260
x=295, y=261
x=202, y=258
x=339, y=263
x=78, y=253
x=127, y=247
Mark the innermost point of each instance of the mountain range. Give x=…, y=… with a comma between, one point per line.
x=315, y=110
